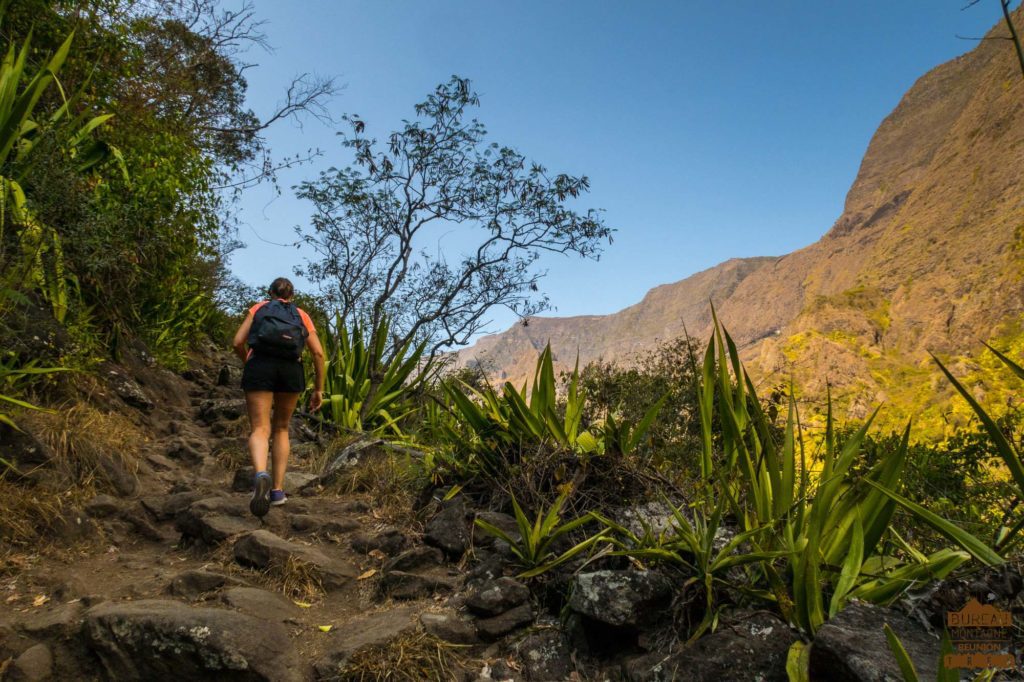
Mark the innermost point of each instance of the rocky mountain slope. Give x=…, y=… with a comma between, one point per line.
x=927, y=256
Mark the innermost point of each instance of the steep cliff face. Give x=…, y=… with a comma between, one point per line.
x=928, y=255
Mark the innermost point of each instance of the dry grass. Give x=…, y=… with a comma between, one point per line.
x=87, y=443
x=411, y=658
x=30, y=513
x=392, y=481
x=294, y=579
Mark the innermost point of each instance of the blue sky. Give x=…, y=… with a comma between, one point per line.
x=709, y=130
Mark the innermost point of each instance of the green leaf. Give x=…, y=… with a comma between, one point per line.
x=978, y=549
x=902, y=657
x=798, y=662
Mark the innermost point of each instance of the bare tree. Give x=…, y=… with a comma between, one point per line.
x=372, y=221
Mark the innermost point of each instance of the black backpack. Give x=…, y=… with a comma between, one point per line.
x=277, y=330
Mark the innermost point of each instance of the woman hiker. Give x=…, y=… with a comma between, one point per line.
x=270, y=342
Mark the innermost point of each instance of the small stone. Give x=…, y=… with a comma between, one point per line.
x=546, y=655
x=417, y=557
x=193, y=584
x=260, y=603
x=34, y=665
x=304, y=523
x=102, y=506
x=449, y=530
x=502, y=624
x=54, y=623
x=449, y=627
x=496, y=596
x=340, y=527
x=390, y=541
x=401, y=585
x=620, y=598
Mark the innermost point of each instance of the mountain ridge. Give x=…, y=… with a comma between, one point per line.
x=926, y=257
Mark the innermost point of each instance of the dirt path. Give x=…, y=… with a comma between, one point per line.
x=310, y=569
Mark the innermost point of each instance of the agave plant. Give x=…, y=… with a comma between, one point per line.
x=829, y=530
x=352, y=400
x=535, y=543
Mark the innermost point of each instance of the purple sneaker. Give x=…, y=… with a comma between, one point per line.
x=277, y=498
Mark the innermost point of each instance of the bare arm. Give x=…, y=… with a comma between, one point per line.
x=316, y=400
x=242, y=337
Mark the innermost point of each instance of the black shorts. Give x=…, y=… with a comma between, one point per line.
x=273, y=374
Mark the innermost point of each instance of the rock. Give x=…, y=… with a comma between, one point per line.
x=166, y=507
x=349, y=456
x=211, y=411
x=340, y=527
x=214, y=519
x=389, y=540
x=496, y=596
x=852, y=647
x=655, y=516
x=305, y=523
x=242, y=481
x=449, y=627
x=184, y=451
x=115, y=472
x=229, y=375
x=369, y=631
x=23, y=448
x=103, y=506
x=415, y=558
x=138, y=517
x=260, y=603
x=34, y=665
x=125, y=388
x=621, y=598
x=502, y=522
x=193, y=584
x=296, y=481
x=502, y=624
x=546, y=655
x=55, y=623
x=402, y=585
x=156, y=639
x=159, y=462
x=754, y=646
x=448, y=529
x=355, y=507
x=491, y=566
x=262, y=549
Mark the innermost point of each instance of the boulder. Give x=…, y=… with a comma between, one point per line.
x=450, y=627
x=852, y=647
x=496, y=596
x=213, y=520
x=262, y=549
x=306, y=523
x=402, y=585
x=449, y=530
x=35, y=664
x=621, y=598
x=369, y=631
x=156, y=639
x=498, y=626
x=751, y=647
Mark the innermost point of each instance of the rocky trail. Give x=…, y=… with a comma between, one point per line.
x=177, y=580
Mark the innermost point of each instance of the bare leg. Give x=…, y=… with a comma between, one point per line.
x=258, y=405
x=284, y=406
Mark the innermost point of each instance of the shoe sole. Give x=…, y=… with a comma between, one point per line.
x=278, y=504
x=260, y=504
